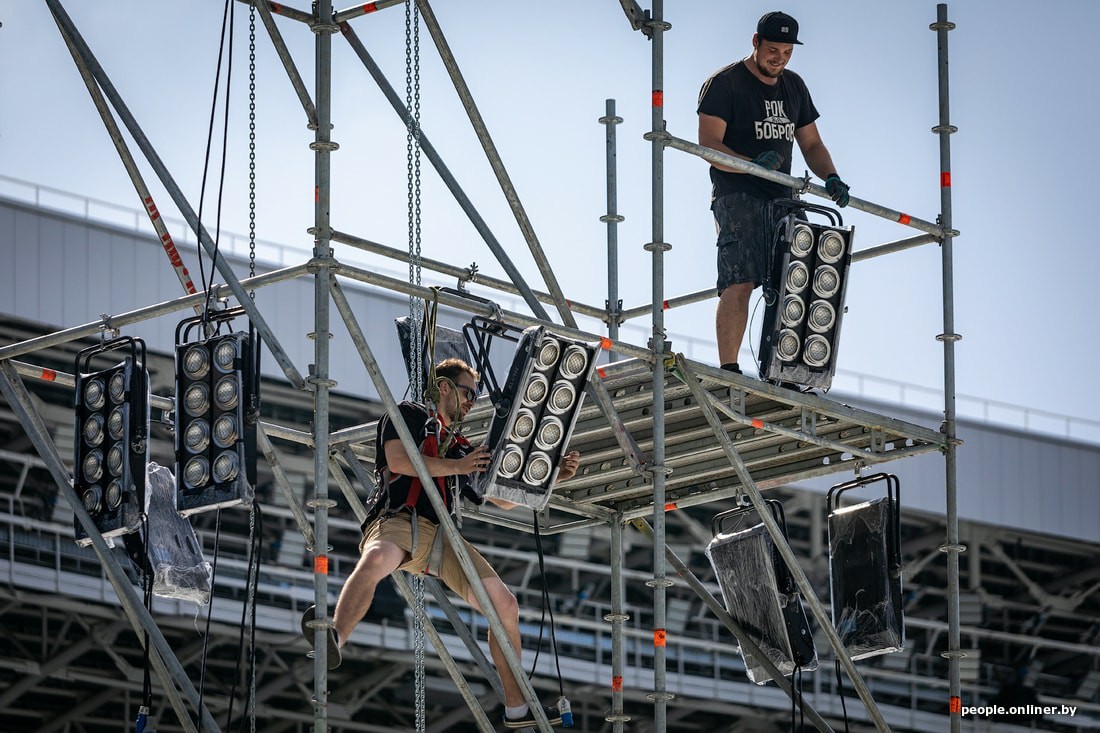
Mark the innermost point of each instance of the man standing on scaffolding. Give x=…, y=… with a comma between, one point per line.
x=402, y=532
x=755, y=109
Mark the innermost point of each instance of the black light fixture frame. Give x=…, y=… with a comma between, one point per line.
x=125, y=517
x=781, y=236
x=865, y=574
x=241, y=489
x=799, y=647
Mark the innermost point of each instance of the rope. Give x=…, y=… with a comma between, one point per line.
x=416, y=312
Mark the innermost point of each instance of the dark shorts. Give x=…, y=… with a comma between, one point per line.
x=743, y=238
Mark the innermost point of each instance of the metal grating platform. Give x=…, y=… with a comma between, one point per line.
x=783, y=437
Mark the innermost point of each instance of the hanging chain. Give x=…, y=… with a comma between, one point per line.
x=416, y=305
x=252, y=145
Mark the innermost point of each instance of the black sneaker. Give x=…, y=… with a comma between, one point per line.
x=309, y=632
x=527, y=720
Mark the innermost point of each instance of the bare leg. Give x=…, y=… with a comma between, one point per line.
x=731, y=319
x=506, y=606
x=379, y=559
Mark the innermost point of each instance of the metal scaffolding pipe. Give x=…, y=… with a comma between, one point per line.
x=88, y=60
x=446, y=525
x=342, y=16
x=323, y=27
x=94, y=328
x=746, y=642
x=463, y=274
x=168, y=669
x=445, y=174
x=617, y=618
x=952, y=546
x=471, y=306
x=486, y=140
x=825, y=624
x=283, y=482
x=799, y=184
x=657, y=469
x=288, y=62
x=614, y=305
x=132, y=171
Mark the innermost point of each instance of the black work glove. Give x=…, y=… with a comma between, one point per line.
x=837, y=190
x=769, y=159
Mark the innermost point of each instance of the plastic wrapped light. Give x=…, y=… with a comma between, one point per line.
x=574, y=363
x=822, y=316
x=94, y=398
x=197, y=436
x=225, y=431
x=93, y=430
x=226, y=393
x=798, y=277
x=114, y=459
x=511, y=462
x=113, y=496
x=116, y=388
x=226, y=467
x=787, y=349
x=547, y=354
x=830, y=248
x=224, y=355
x=538, y=468
x=550, y=433
x=116, y=424
x=92, y=499
x=793, y=310
x=196, y=472
x=536, y=390
x=562, y=397
x=817, y=351
x=196, y=364
x=524, y=425
x=196, y=400
x=826, y=281
x=803, y=243
x=93, y=466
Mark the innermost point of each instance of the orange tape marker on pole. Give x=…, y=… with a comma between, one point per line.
x=659, y=637
x=616, y=684
x=320, y=564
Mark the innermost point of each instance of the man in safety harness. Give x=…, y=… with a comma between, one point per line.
x=400, y=532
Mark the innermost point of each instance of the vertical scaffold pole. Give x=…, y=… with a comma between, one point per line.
x=617, y=617
x=658, y=247
x=612, y=218
x=323, y=28
x=952, y=547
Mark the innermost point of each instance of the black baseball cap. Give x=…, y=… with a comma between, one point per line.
x=779, y=27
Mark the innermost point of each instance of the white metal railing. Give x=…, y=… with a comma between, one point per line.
x=846, y=382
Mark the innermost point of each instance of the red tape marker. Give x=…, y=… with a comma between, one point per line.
x=671, y=506
x=320, y=564
x=664, y=305
x=49, y=375
x=605, y=343
x=903, y=219
x=757, y=423
x=945, y=179
x=616, y=684
x=370, y=7
x=601, y=372
x=658, y=98
x=956, y=705
x=659, y=637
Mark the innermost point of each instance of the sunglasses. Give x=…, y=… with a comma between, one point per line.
x=470, y=393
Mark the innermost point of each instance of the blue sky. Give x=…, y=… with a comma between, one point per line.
x=1025, y=265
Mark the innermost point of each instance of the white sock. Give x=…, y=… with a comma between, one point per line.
x=517, y=711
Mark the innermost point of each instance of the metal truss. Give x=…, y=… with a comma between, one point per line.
x=664, y=433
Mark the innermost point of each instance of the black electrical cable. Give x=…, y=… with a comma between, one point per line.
x=209, y=615
x=546, y=607
x=252, y=577
x=227, y=20
x=147, y=573
x=840, y=689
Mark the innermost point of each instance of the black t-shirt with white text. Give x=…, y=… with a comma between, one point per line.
x=758, y=117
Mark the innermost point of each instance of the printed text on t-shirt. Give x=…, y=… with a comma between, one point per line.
x=776, y=125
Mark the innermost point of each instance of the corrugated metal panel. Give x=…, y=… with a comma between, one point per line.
x=66, y=272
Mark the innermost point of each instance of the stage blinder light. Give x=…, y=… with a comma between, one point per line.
x=536, y=413
x=112, y=428
x=802, y=324
x=760, y=594
x=865, y=569
x=217, y=410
